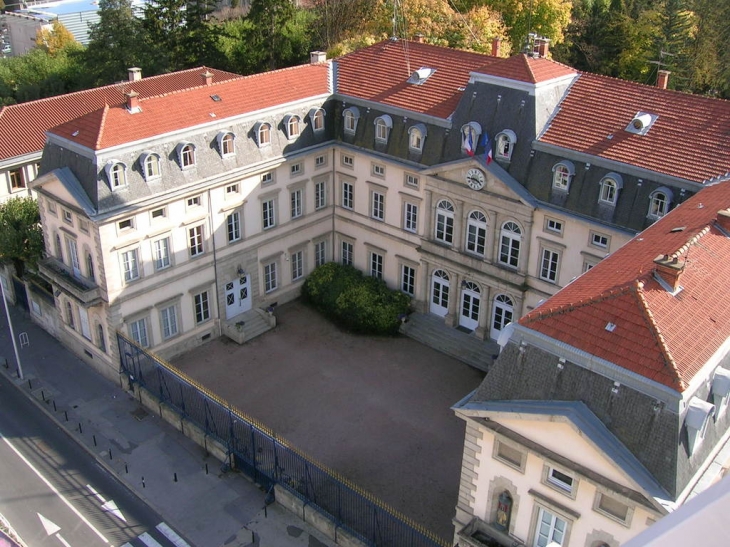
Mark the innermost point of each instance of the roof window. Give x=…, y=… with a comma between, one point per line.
x=721, y=388
x=421, y=75
x=696, y=420
x=641, y=123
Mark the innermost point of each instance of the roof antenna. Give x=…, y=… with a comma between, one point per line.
x=395, y=35
x=530, y=40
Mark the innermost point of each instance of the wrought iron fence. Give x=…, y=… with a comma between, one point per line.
x=270, y=460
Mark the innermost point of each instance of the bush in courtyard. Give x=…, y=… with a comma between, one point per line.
x=355, y=302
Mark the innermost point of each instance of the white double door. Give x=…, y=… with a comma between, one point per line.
x=238, y=296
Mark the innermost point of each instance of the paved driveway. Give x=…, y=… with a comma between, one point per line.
x=377, y=410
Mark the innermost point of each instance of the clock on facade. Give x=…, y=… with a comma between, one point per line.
x=475, y=179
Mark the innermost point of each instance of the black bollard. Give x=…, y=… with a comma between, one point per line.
x=110, y=453
x=206, y=468
x=94, y=437
x=126, y=469
x=54, y=405
x=174, y=477
x=80, y=430
x=65, y=413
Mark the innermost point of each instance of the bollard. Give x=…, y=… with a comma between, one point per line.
x=43, y=396
x=94, y=437
x=54, y=405
x=143, y=486
x=126, y=469
x=110, y=453
x=206, y=468
x=30, y=386
x=80, y=430
x=174, y=477
x=65, y=413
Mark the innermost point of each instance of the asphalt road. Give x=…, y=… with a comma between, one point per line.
x=54, y=494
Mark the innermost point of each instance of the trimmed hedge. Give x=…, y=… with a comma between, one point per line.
x=356, y=302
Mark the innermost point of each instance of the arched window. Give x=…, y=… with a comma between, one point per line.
x=59, y=247
x=509, y=245
x=476, y=233
x=186, y=154
x=445, y=222
x=610, y=186
x=89, y=266
x=383, y=125
x=226, y=144
x=100, y=337
x=470, y=134
x=416, y=136
x=502, y=314
x=659, y=202
x=562, y=175
x=70, y=315
x=506, y=141
x=351, y=116
x=316, y=115
x=263, y=133
x=116, y=173
x=292, y=126
x=150, y=165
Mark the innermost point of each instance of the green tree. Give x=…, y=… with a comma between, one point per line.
x=55, y=39
x=21, y=236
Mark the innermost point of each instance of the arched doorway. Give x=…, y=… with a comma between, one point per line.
x=439, y=293
x=502, y=314
x=470, y=304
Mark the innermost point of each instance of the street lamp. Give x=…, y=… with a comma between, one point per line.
x=12, y=334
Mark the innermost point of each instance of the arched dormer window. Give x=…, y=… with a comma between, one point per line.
x=292, y=126
x=226, y=145
x=116, y=174
x=351, y=115
x=610, y=186
x=659, y=202
x=506, y=141
x=186, y=154
x=316, y=116
x=383, y=125
x=416, y=136
x=150, y=163
x=470, y=134
x=262, y=131
x=563, y=173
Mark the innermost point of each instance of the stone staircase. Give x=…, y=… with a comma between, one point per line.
x=249, y=325
x=431, y=331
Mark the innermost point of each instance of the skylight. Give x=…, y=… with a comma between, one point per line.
x=641, y=123
x=421, y=75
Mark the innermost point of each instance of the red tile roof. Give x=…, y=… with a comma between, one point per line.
x=662, y=337
x=688, y=140
x=380, y=72
x=115, y=125
x=28, y=122
x=523, y=68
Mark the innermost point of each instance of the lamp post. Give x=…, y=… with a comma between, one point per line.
x=12, y=334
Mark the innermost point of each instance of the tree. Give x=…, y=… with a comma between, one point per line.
x=337, y=20
x=21, y=235
x=55, y=39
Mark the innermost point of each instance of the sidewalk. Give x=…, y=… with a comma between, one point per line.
x=169, y=472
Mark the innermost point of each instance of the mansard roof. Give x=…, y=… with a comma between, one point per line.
x=28, y=122
x=688, y=138
x=624, y=309
x=115, y=125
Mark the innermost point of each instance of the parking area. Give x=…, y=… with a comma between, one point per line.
x=376, y=410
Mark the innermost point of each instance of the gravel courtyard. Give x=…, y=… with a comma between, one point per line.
x=377, y=410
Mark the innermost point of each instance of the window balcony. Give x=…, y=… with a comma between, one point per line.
x=85, y=291
x=481, y=534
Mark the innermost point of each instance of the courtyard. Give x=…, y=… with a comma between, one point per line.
x=376, y=410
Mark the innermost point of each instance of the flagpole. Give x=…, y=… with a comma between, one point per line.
x=12, y=334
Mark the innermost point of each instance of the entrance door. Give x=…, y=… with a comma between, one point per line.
x=470, y=301
x=238, y=296
x=440, y=293
x=501, y=315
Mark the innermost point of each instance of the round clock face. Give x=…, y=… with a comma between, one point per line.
x=475, y=179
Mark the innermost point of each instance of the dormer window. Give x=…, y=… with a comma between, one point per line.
x=563, y=173
x=226, y=143
x=186, y=155
x=610, y=186
x=316, y=115
x=697, y=418
x=150, y=162
x=506, y=141
x=641, y=123
x=659, y=202
x=116, y=173
x=262, y=130
x=383, y=125
x=292, y=126
x=351, y=116
x=721, y=388
x=421, y=75
x=416, y=136
x=470, y=134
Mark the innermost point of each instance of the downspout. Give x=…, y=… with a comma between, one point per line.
x=215, y=263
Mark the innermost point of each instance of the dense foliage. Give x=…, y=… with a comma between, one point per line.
x=21, y=236
x=629, y=39
x=355, y=302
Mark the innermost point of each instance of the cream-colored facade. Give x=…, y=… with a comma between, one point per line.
x=16, y=174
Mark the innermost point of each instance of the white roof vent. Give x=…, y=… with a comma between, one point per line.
x=641, y=123
x=610, y=327
x=421, y=75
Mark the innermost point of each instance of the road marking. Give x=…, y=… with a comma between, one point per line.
x=108, y=506
x=149, y=540
x=53, y=488
x=65, y=543
x=48, y=525
x=170, y=534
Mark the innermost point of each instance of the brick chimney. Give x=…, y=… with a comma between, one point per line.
x=207, y=77
x=723, y=219
x=542, y=47
x=496, y=45
x=669, y=269
x=420, y=38
x=316, y=57
x=132, y=101
x=662, y=79
x=135, y=74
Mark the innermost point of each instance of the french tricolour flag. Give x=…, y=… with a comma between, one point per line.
x=469, y=145
x=488, y=155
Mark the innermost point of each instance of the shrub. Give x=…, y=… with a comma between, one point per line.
x=355, y=302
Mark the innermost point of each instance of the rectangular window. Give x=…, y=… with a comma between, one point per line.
x=612, y=508
x=51, y=207
x=509, y=455
x=297, y=265
x=411, y=180
x=347, y=253
x=17, y=179
x=599, y=240
x=408, y=280
x=550, y=529
x=195, y=240
x=348, y=161
x=138, y=332
x=549, y=265
x=168, y=319
x=193, y=202
x=270, y=277
x=159, y=213
x=267, y=178
x=320, y=195
x=554, y=226
x=376, y=265
x=378, y=206
x=126, y=224
x=269, y=218
x=296, y=203
x=68, y=218
x=320, y=161
x=378, y=170
x=348, y=192
x=410, y=217
x=84, y=225
x=560, y=479
x=320, y=253
x=202, y=307
x=296, y=169
x=233, y=226
x=232, y=189
x=587, y=265
x=161, y=249
x=130, y=265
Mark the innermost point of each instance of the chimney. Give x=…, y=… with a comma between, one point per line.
x=723, y=219
x=542, y=47
x=132, y=101
x=669, y=269
x=420, y=38
x=317, y=57
x=496, y=44
x=207, y=77
x=662, y=79
x=135, y=74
